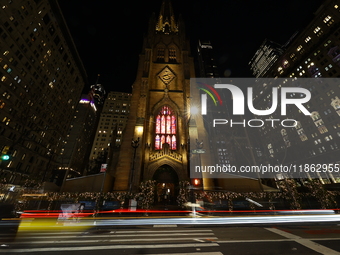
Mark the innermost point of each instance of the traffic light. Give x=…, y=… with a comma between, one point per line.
x=6, y=153
x=196, y=182
x=5, y=157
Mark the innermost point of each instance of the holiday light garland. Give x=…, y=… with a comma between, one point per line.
x=288, y=195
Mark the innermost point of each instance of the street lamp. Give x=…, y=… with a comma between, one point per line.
x=134, y=144
x=50, y=154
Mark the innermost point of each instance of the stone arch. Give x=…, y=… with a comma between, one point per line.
x=166, y=184
x=176, y=166
x=165, y=173
x=165, y=101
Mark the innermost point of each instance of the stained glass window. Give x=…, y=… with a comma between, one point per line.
x=162, y=140
x=173, y=124
x=173, y=140
x=168, y=124
x=157, y=142
x=158, y=124
x=165, y=128
x=163, y=125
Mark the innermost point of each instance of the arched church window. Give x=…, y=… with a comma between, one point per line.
x=172, y=55
x=160, y=54
x=165, y=128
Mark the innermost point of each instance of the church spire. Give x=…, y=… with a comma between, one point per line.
x=166, y=20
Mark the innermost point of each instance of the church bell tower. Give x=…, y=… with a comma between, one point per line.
x=155, y=142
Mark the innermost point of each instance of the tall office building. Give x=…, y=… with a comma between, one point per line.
x=42, y=78
x=110, y=128
x=265, y=57
x=97, y=93
x=228, y=146
x=75, y=152
x=314, y=53
x=207, y=66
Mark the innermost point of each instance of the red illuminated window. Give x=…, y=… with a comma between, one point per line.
x=165, y=128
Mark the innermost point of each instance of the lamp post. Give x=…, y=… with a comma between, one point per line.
x=135, y=145
x=47, y=166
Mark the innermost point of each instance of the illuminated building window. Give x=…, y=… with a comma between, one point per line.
x=308, y=38
x=328, y=138
x=328, y=20
x=6, y=121
x=319, y=122
x=335, y=103
x=285, y=63
x=327, y=43
x=318, y=31
x=285, y=137
x=165, y=128
x=271, y=150
x=301, y=132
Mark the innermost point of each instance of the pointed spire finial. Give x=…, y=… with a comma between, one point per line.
x=166, y=20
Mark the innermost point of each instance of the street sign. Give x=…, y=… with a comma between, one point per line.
x=198, y=151
x=103, y=168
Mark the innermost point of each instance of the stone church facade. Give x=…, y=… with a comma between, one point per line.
x=159, y=110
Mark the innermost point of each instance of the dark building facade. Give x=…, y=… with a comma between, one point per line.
x=74, y=154
x=42, y=78
x=314, y=53
x=228, y=146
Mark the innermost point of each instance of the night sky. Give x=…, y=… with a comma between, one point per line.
x=109, y=34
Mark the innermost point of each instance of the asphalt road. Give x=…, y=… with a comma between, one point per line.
x=175, y=237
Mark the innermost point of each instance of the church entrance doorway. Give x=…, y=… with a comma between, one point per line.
x=167, y=183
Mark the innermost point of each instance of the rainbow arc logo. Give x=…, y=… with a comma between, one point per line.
x=211, y=92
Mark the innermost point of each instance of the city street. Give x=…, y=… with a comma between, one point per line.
x=184, y=235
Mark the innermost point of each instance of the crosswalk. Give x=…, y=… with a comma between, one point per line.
x=156, y=240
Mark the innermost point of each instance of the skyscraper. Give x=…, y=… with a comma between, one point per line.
x=228, y=146
x=42, y=78
x=207, y=66
x=265, y=57
x=313, y=53
x=75, y=152
x=110, y=128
